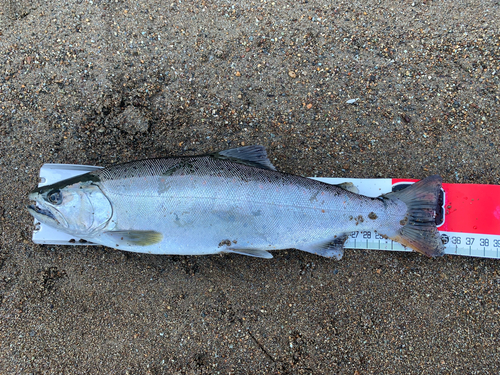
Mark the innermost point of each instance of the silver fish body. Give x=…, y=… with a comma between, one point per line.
x=231, y=201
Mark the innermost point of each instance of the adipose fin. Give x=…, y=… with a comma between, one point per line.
x=349, y=186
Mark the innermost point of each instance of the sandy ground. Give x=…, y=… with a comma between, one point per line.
x=102, y=82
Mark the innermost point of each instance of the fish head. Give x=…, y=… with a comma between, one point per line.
x=76, y=206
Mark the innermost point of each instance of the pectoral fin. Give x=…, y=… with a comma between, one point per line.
x=330, y=249
x=135, y=237
x=250, y=252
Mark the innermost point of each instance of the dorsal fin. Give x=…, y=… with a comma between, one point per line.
x=253, y=156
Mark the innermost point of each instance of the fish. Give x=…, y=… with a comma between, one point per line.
x=232, y=201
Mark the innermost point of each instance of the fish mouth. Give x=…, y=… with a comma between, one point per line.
x=44, y=214
x=34, y=209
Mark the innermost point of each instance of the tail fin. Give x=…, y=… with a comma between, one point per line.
x=419, y=230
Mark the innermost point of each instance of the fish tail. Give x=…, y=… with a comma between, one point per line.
x=419, y=230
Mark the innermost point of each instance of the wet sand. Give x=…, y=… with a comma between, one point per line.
x=104, y=82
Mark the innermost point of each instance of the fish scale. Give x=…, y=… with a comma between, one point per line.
x=206, y=191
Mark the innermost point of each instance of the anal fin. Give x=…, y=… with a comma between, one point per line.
x=329, y=249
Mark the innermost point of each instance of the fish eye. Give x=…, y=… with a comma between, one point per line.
x=55, y=197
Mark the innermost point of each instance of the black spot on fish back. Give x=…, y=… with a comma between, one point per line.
x=201, y=166
x=146, y=168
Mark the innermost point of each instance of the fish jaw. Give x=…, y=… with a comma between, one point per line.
x=44, y=213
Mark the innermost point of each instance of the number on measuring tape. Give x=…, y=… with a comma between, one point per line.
x=484, y=242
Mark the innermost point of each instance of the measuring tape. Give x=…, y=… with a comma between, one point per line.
x=468, y=214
